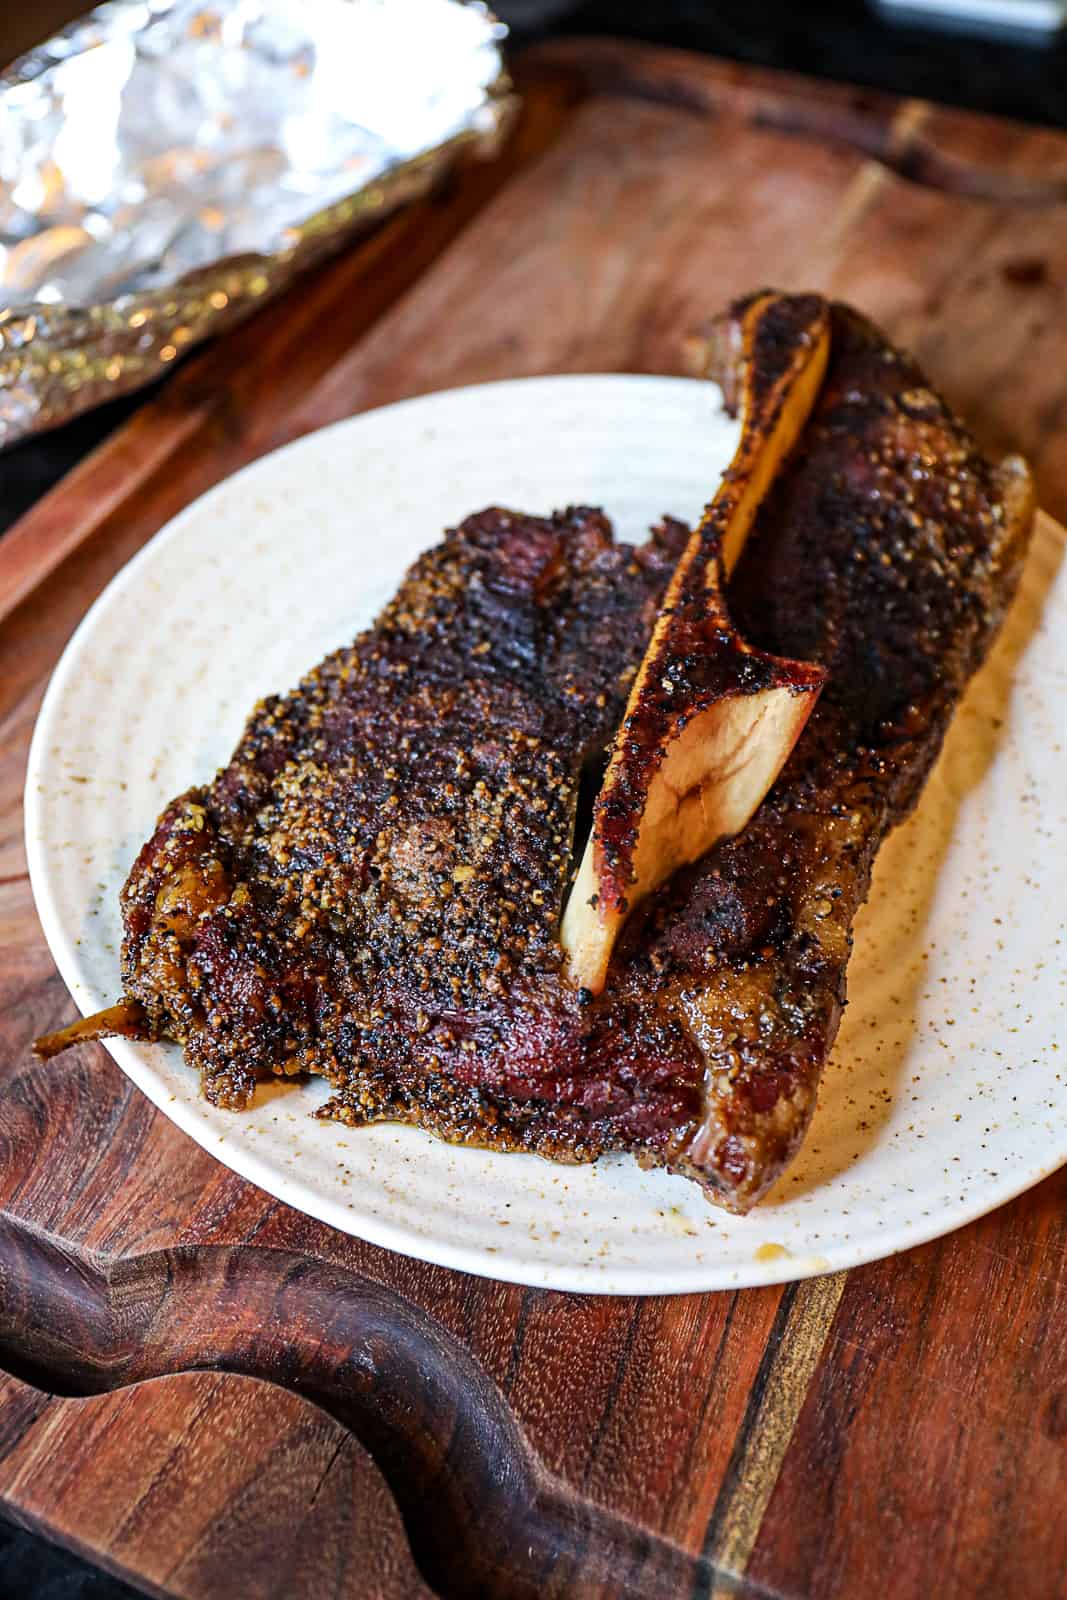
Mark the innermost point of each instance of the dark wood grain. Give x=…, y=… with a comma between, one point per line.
x=475, y=1499
x=213, y=1394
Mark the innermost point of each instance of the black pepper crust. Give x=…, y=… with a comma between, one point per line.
x=888, y=553
x=371, y=889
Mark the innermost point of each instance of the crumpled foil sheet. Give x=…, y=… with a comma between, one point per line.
x=166, y=165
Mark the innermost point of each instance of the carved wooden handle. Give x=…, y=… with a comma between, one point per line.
x=483, y=1515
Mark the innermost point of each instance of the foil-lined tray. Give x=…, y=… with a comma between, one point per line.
x=165, y=165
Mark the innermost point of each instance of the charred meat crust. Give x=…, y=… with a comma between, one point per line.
x=888, y=554
x=371, y=890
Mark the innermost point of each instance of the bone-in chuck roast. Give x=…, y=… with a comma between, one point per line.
x=372, y=889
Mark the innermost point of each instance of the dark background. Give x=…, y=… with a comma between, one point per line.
x=823, y=38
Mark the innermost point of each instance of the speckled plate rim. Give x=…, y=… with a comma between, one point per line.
x=135, y=1060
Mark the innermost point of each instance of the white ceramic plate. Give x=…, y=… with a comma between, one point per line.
x=946, y=1094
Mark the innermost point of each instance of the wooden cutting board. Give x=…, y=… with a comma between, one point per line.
x=900, y=1426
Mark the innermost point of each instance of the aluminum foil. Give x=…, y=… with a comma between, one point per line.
x=165, y=166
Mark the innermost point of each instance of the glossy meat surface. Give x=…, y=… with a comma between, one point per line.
x=888, y=554
x=371, y=890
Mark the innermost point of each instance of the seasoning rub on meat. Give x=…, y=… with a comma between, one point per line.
x=372, y=889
